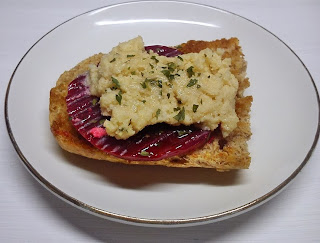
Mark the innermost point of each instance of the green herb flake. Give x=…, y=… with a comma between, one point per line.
x=176, y=109
x=143, y=101
x=190, y=71
x=171, y=66
x=133, y=72
x=180, y=58
x=69, y=118
x=158, y=113
x=192, y=82
x=152, y=67
x=116, y=82
x=93, y=121
x=101, y=122
x=144, y=85
x=151, y=81
x=167, y=73
x=201, y=101
x=178, y=47
x=182, y=133
x=130, y=55
x=144, y=153
x=113, y=60
x=119, y=97
x=168, y=95
x=94, y=101
x=154, y=58
x=209, y=76
x=181, y=115
x=198, y=86
x=160, y=83
x=194, y=108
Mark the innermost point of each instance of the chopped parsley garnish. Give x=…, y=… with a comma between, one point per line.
x=176, y=109
x=182, y=132
x=181, y=115
x=144, y=101
x=158, y=113
x=168, y=74
x=116, y=82
x=192, y=82
x=144, y=153
x=154, y=58
x=168, y=95
x=198, y=86
x=190, y=71
x=93, y=121
x=151, y=65
x=171, y=66
x=130, y=55
x=119, y=97
x=201, y=101
x=209, y=76
x=150, y=80
x=133, y=72
x=144, y=85
x=94, y=101
x=113, y=60
x=180, y=58
x=194, y=108
x=101, y=122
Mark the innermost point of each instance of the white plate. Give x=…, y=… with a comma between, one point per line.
x=284, y=118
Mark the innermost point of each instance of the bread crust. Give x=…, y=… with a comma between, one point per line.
x=222, y=153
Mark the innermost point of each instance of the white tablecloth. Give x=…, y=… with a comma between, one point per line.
x=29, y=213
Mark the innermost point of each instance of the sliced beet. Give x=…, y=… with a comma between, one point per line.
x=163, y=50
x=152, y=143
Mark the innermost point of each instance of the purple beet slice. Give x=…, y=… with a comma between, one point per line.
x=163, y=50
x=153, y=143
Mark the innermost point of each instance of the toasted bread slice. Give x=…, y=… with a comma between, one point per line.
x=222, y=154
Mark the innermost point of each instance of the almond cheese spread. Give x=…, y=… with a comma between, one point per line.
x=137, y=89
